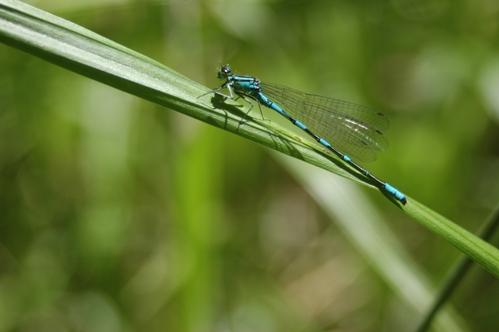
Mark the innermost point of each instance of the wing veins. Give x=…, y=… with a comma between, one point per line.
x=332, y=119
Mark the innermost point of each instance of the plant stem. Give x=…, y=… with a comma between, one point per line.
x=457, y=274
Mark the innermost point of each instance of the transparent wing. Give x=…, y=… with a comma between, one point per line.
x=351, y=128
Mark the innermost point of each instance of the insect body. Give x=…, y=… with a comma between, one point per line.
x=346, y=129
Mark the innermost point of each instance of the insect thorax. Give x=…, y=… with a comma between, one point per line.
x=245, y=84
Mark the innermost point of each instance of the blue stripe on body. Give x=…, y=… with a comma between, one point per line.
x=325, y=143
x=278, y=108
x=347, y=158
x=250, y=85
x=263, y=98
x=300, y=124
x=267, y=102
x=243, y=78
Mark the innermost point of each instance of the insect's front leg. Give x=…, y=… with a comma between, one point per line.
x=217, y=91
x=231, y=91
x=212, y=91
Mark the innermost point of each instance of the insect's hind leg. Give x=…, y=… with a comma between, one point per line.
x=249, y=99
x=246, y=113
x=261, y=112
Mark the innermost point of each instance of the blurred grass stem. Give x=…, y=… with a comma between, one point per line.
x=457, y=274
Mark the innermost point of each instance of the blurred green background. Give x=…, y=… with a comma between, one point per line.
x=119, y=215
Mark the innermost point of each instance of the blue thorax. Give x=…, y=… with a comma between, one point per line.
x=244, y=84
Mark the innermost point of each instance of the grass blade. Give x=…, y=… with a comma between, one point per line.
x=362, y=224
x=457, y=274
x=80, y=50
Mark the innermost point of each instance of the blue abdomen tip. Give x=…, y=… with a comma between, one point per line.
x=395, y=193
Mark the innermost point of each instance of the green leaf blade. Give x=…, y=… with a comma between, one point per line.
x=80, y=50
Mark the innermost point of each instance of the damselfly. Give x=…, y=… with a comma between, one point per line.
x=346, y=129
